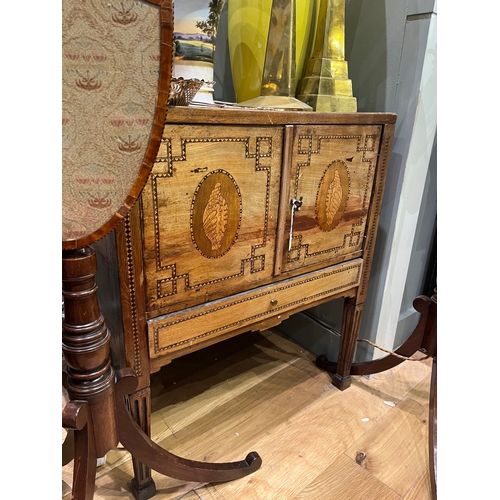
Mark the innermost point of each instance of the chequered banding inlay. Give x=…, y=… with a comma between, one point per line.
x=312, y=145
x=164, y=168
x=132, y=294
x=231, y=325
x=376, y=205
x=169, y=286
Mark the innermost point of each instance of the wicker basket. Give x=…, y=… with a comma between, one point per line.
x=182, y=91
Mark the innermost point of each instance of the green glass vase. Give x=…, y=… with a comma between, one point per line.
x=248, y=28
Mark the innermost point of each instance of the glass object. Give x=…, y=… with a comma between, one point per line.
x=248, y=25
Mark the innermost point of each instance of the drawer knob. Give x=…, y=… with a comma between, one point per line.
x=274, y=302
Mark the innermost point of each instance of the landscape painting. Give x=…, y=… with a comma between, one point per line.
x=195, y=29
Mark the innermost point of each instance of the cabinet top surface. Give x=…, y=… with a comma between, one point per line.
x=242, y=116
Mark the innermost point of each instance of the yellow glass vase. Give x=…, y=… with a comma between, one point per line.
x=248, y=27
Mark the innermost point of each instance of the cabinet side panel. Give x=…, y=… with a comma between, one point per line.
x=375, y=206
x=108, y=294
x=129, y=258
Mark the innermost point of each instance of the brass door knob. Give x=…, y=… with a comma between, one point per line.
x=274, y=302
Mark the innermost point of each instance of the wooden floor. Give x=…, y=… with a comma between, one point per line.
x=263, y=392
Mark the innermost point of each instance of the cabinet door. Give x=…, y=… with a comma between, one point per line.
x=331, y=177
x=209, y=213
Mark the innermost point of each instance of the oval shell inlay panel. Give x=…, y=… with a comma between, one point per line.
x=333, y=193
x=216, y=214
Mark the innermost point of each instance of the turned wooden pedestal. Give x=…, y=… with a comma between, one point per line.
x=100, y=412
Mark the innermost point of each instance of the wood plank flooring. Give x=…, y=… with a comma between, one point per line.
x=262, y=392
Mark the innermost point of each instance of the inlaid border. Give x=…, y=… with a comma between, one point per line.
x=168, y=286
x=134, y=320
x=365, y=143
x=221, y=305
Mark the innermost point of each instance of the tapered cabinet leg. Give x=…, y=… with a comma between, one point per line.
x=139, y=403
x=351, y=322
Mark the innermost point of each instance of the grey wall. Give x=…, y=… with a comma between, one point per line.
x=406, y=36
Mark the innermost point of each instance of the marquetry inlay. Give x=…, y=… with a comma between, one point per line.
x=131, y=284
x=176, y=283
x=216, y=214
x=184, y=328
x=212, y=194
x=333, y=193
x=333, y=171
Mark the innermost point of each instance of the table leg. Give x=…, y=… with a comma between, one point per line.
x=101, y=411
x=149, y=453
x=89, y=377
x=76, y=417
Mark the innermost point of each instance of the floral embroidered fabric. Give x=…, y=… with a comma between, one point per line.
x=110, y=75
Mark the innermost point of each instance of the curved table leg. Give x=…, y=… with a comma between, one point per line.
x=68, y=447
x=76, y=416
x=149, y=453
x=410, y=347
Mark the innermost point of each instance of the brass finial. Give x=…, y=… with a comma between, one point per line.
x=326, y=86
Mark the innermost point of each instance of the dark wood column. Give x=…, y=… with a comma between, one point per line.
x=85, y=345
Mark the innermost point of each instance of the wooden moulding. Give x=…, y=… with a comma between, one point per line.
x=245, y=116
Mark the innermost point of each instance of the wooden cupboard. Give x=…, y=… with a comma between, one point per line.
x=248, y=216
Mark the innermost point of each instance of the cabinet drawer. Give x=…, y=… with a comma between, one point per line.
x=178, y=330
